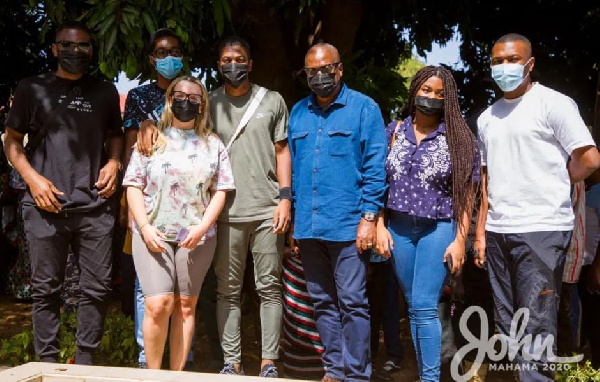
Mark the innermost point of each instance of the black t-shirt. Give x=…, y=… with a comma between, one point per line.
x=72, y=152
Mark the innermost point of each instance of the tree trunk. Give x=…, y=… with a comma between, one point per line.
x=596, y=125
x=341, y=20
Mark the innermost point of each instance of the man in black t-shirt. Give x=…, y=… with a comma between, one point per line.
x=71, y=167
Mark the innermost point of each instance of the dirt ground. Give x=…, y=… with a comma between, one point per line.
x=16, y=317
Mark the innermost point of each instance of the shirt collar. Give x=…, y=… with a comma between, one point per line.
x=409, y=131
x=341, y=99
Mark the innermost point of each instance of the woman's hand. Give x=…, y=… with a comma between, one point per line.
x=384, y=243
x=479, y=245
x=153, y=238
x=195, y=234
x=455, y=251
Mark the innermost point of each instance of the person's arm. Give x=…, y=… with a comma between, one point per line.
x=479, y=243
x=147, y=136
x=151, y=235
x=385, y=243
x=108, y=178
x=374, y=151
x=282, y=216
x=456, y=249
x=42, y=190
x=584, y=161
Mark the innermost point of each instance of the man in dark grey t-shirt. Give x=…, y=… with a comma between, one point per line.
x=69, y=117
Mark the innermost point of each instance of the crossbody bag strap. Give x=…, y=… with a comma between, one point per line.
x=247, y=115
x=33, y=144
x=399, y=122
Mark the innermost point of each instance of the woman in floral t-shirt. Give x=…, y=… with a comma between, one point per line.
x=175, y=196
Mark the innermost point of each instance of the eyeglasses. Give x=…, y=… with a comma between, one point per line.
x=163, y=52
x=71, y=45
x=325, y=69
x=182, y=96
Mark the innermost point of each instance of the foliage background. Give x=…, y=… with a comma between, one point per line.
x=376, y=40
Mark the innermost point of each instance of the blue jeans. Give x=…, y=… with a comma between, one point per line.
x=419, y=246
x=336, y=278
x=140, y=309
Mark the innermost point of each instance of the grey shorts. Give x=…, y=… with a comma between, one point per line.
x=176, y=271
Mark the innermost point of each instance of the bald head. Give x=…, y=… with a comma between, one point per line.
x=322, y=52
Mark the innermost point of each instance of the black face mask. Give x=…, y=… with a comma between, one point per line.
x=323, y=85
x=235, y=74
x=74, y=62
x=429, y=106
x=185, y=111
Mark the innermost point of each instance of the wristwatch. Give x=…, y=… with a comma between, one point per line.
x=369, y=216
x=285, y=193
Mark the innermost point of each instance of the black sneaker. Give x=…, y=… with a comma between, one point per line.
x=269, y=371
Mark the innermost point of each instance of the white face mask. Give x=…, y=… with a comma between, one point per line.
x=509, y=76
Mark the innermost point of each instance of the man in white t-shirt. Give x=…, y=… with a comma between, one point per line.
x=534, y=144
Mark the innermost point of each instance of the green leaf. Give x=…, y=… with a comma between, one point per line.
x=150, y=26
x=112, y=37
x=218, y=16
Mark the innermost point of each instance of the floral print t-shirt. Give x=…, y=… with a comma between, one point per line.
x=177, y=182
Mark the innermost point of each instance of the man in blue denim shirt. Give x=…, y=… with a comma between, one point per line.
x=338, y=146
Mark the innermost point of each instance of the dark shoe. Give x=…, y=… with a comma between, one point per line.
x=143, y=365
x=229, y=368
x=269, y=371
x=386, y=371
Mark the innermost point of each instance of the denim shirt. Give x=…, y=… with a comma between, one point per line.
x=338, y=156
x=420, y=177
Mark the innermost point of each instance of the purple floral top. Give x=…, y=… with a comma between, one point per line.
x=420, y=177
x=177, y=182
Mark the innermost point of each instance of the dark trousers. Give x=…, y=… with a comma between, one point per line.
x=383, y=292
x=208, y=310
x=336, y=278
x=590, y=304
x=525, y=271
x=565, y=341
x=49, y=237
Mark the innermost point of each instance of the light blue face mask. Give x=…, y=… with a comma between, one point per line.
x=509, y=76
x=169, y=67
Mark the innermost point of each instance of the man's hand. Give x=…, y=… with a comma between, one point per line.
x=385, y=243
x=365, y=235
x=291, y=241
x=195, y=234
x=146, y=137
x=479, y=246
x=152, y=237
x=43, y=192
x=456, y=251
x=282, y=216
x=108, y=179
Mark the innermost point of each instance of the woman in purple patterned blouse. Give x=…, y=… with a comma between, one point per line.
x=432, y=169
x=176, y=195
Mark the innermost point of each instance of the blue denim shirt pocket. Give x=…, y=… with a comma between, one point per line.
x=340, y=142
x=299, y=143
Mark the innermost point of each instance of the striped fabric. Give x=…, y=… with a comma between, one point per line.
x=575, y=254
x=301, y=343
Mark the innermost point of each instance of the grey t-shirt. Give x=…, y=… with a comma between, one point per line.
x=252, y=154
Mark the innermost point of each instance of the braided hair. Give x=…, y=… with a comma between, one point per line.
x=461, y=142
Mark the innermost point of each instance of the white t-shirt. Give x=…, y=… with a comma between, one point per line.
x=525, y=145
